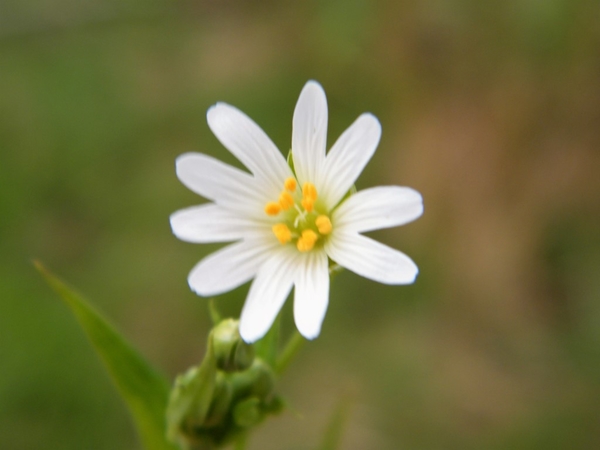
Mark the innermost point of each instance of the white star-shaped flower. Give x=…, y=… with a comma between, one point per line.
x=285, y=226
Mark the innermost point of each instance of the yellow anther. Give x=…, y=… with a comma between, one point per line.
x=323, y=224
x=290, y=184
x=282, y=233
x=272, y=208
x=307, y=241
x=304, y=246
x=309, y=191
x=308, y=204
x=310, y=235
x=286, y=200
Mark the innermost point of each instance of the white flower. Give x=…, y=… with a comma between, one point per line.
x=285, y=226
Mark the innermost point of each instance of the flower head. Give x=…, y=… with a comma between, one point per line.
x=286, y=224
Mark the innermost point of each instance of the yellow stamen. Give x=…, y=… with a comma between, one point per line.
x=309, y=191
x=286, y=200
x=282, y=233
x=290, y=184
x=302, y=213
x=323, y=224
x=310, y=235
x=308, y=204
x=307, y=241
x=272, y=208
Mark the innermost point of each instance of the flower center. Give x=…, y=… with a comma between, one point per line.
x=303, y=221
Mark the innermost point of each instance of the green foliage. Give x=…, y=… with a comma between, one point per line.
x=490, y=109
x=191, y=399
x=219, y=401
x=231, y=353
x=144, y=390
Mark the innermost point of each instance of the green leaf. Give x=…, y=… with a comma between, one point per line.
x=143, y=389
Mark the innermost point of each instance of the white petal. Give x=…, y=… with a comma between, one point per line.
x=229, y=187
x=371, y=259
x=249, y=143
x=348, y=157
x=268, y=293
x=211, y=223
x=311, y=294
x=229, y=267
x=309, y=132
x=378, y=207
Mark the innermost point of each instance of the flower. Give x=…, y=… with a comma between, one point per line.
x=286, y=224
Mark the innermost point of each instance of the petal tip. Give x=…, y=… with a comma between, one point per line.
x=195, y=289
x=185, y=157
x=313, y=84
x=199, y=288
x=411, y=277
x=173, y=221
x=313, y=94
x=213, y=108
x=309, y=333
x=249, y=335
x=185, y=162
x=373, y=121
x=217, y=112
x=210, y=112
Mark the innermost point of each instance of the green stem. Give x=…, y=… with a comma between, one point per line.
x=296, y=341
x=292, y=347
x=215, y=315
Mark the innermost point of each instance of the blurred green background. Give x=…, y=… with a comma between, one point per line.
x=490, y=109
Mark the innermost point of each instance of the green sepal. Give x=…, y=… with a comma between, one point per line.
x=290, y=162
x=334, y=269
x=258, y=380
x=222, y=397
x=248, y=413
x=143, y=389
x=191, y=399
x=232, y=354
x=275, y=405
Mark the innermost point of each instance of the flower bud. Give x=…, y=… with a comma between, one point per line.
x=248, y=412
x=221, y=402
x=274, y=406
x=189, y=404
x=258, y=381
x=232, y=354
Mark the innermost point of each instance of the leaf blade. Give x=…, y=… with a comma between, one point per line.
x=144, y=390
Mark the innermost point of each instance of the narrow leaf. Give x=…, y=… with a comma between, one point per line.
x=143, y=389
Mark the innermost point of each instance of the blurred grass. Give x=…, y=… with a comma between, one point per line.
x=491, y=110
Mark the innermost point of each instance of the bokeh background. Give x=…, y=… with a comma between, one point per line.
x=490, y=109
